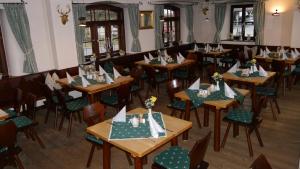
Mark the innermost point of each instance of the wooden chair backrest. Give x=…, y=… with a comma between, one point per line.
x=8, y=134
x=94, y=113
x=261, y=162
x=173, y=87
x=61, y=99
x=198, y=151
x=123, y=92
x=262, y=62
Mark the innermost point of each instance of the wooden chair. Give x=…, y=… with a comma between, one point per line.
x=279, y=67
x=204, y=64
x=263, y=63
x=118, y=98
x=176, y=104
x=187, y=74
x=261, y=162
x=154, y=79
x=136, y=85
x=180, y=156
x=250, y=120
x=92, y=115
x=8, y=149
x=69, y=108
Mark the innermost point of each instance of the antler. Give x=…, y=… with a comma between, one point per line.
x=62, y=12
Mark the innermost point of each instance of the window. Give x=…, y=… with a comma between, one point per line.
x=3, y=65
x=171, y=27
x=104, y=31
x=242, y=22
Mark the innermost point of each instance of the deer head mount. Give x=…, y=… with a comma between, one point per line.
x=64, y=13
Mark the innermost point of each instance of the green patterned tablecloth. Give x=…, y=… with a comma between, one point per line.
x=217, y=95
x=239, y=74
x=121, y=130
x=156, y=61
x=78, y=81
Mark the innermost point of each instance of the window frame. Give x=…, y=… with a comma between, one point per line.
x=93, y=25
x=169, y=20
x=244, y=6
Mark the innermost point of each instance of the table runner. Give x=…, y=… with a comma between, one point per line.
x=217, y=95
x=239, y=74
x=125, y=131
x=78, y=81
x=156, y=61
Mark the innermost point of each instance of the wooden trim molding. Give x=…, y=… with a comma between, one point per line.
x=3, y=64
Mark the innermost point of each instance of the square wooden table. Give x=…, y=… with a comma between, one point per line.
x=96, y=88
x=288, y=62
x=168, y=67
x=213, y=54
x=3, y=115
x=138, y=148
x=216, y=106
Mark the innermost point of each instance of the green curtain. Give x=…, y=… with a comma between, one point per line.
x=190, y=23
x=18, y=21
x=259, y=21
x=220, y=9
x=133, y=11
x=158, y=12
x=79, y=11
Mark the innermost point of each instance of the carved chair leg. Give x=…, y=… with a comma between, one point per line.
x=258, y=137
x=197, y=118
x=88, y=164
x=249, y=142
x=37, y=137
x=274, y=115
x=276, y=104
x=61, y=122
x=226, y=135
x=129, y=159
x=18, y=162
x=70, y=125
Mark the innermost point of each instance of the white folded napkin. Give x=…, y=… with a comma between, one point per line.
x=208, y=48
x=147, y=61
x=251, y=70
x=165, y=53
x=70, y=78
x=195, y=85
x=262, y=72
x=221, y=48
x=284, y=56
x=155, y=128
x=109, y=80
x=196, y=47
x=150, y=56
x=265, y=55
x=121, y=116
x=294, y=55
x=55, y=78
x=180, y=58
x=49, y=82
x=254, y=68
x=101, y=71
x=228, y=91
x=234, y=68
x=297, y=52
x=268, y=51
x=163, y=62
x=261, y=53
x=3, y=113
x=116, y=73
x=85, y=83
x=80, y=72
x=159, y=58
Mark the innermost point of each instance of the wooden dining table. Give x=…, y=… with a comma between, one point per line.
x=3, y=115
x=216, y=106
x=288, y=62
x=213, y=54
x=169, y=67
x=138, y=148
x=249, y=81
x=94, y=89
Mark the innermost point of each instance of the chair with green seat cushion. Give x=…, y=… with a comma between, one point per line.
x=249, y=119
x=177, y=157
x=154, y=79
x=178, y=105
x=118, y=98
x=93, y=114
x=69, y=108
x=11, y=113
x=137, y=84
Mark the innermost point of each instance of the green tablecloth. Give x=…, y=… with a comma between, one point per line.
x=156, y=61
x=121, y=130
x=239, y=74
x=78, y=81
x=217, y=95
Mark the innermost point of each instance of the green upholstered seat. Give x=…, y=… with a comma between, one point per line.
x=93, y=139
x=266, y=91
x=161, y=77
x=22, y=121
x=144, y=76
x=109, y=99
x=77, y=104
x=296, y=71
x=134, y=88
x=227, y=60
x=206, y=62
x=240, y=115
x=178, y=104
x=173, y=158
x=108, y=67
x=3, y=149
x=67, y=98
x=181, y=74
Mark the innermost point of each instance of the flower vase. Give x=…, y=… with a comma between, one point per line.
x=217, y=86
x=149, y=110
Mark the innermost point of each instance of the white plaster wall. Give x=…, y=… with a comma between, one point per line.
x=183, y=27
x=295, y=40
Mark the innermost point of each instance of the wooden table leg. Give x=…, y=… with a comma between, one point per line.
x=106, y=155
x=253, y=94
x=91, y=98
x=138, y=163
x=206, y=116
x=217, y=130
x=185, y=135
x=174, y=141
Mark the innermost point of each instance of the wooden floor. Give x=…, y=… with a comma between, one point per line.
x=281, y=139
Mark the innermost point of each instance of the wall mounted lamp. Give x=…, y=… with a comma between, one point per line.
x=276, y=13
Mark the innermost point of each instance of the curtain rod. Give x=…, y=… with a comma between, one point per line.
x=22, y=2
